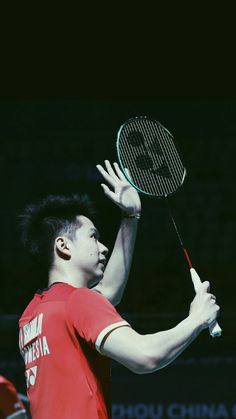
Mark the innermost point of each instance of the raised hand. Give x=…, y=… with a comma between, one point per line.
x=120, y=191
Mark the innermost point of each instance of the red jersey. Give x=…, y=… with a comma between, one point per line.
x=61, y=332
x=10, y=404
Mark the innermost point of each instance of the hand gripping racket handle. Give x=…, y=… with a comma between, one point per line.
x=214, y=329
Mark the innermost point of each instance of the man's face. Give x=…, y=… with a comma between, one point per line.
x=88, y=254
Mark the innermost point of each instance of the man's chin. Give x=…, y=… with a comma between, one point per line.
x=96, y=281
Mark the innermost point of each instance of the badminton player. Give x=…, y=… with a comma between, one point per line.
x=70, y=331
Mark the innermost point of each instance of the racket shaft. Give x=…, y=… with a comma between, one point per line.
x=214, y=329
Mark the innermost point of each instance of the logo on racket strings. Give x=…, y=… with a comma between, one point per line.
x=150, y=156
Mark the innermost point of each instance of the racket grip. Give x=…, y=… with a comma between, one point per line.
x=214, y=329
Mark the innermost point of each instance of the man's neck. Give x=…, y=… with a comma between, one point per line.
x=69, y=276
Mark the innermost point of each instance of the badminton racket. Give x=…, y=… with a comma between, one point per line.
x=155, y=168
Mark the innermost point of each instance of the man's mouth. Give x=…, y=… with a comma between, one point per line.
x=103, y=262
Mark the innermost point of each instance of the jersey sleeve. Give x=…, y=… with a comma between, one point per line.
x=93, y=316
x=10, y=404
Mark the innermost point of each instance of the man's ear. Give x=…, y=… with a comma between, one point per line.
x=62, y=247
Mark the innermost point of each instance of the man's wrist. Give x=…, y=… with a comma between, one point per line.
x=196, y=322
x=136, y=215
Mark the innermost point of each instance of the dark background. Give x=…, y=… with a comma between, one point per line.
x=52, y=145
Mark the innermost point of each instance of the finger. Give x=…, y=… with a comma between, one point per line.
x=120, y=174
x=106, y=175
x=110, y=170
x=108, y=192
x=128, y=173
x=206, y=286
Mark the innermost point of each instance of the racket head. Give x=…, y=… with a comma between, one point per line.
x=147, y=149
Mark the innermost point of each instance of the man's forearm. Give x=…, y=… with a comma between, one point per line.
x=117, y=271
x=163, y=347
x=144, y=354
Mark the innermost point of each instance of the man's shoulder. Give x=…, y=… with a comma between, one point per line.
x=56, y=292
x=87, y=300
x=84, y=294
x=60, y=292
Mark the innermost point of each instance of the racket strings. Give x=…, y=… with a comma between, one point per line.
x=175, y=163
x=163, y=140
x=128, y=157
x=170, y=153
x=137, y=162
x=147, y=150
x=166, y=186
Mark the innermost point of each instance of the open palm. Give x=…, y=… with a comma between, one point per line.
x=121, y=192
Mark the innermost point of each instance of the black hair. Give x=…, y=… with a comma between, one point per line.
x=55, y=215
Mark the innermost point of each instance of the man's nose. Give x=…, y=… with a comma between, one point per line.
x=104, y=249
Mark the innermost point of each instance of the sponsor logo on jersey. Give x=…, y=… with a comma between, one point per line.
x=31, y=342
x=32, y=329
x=31, y=375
